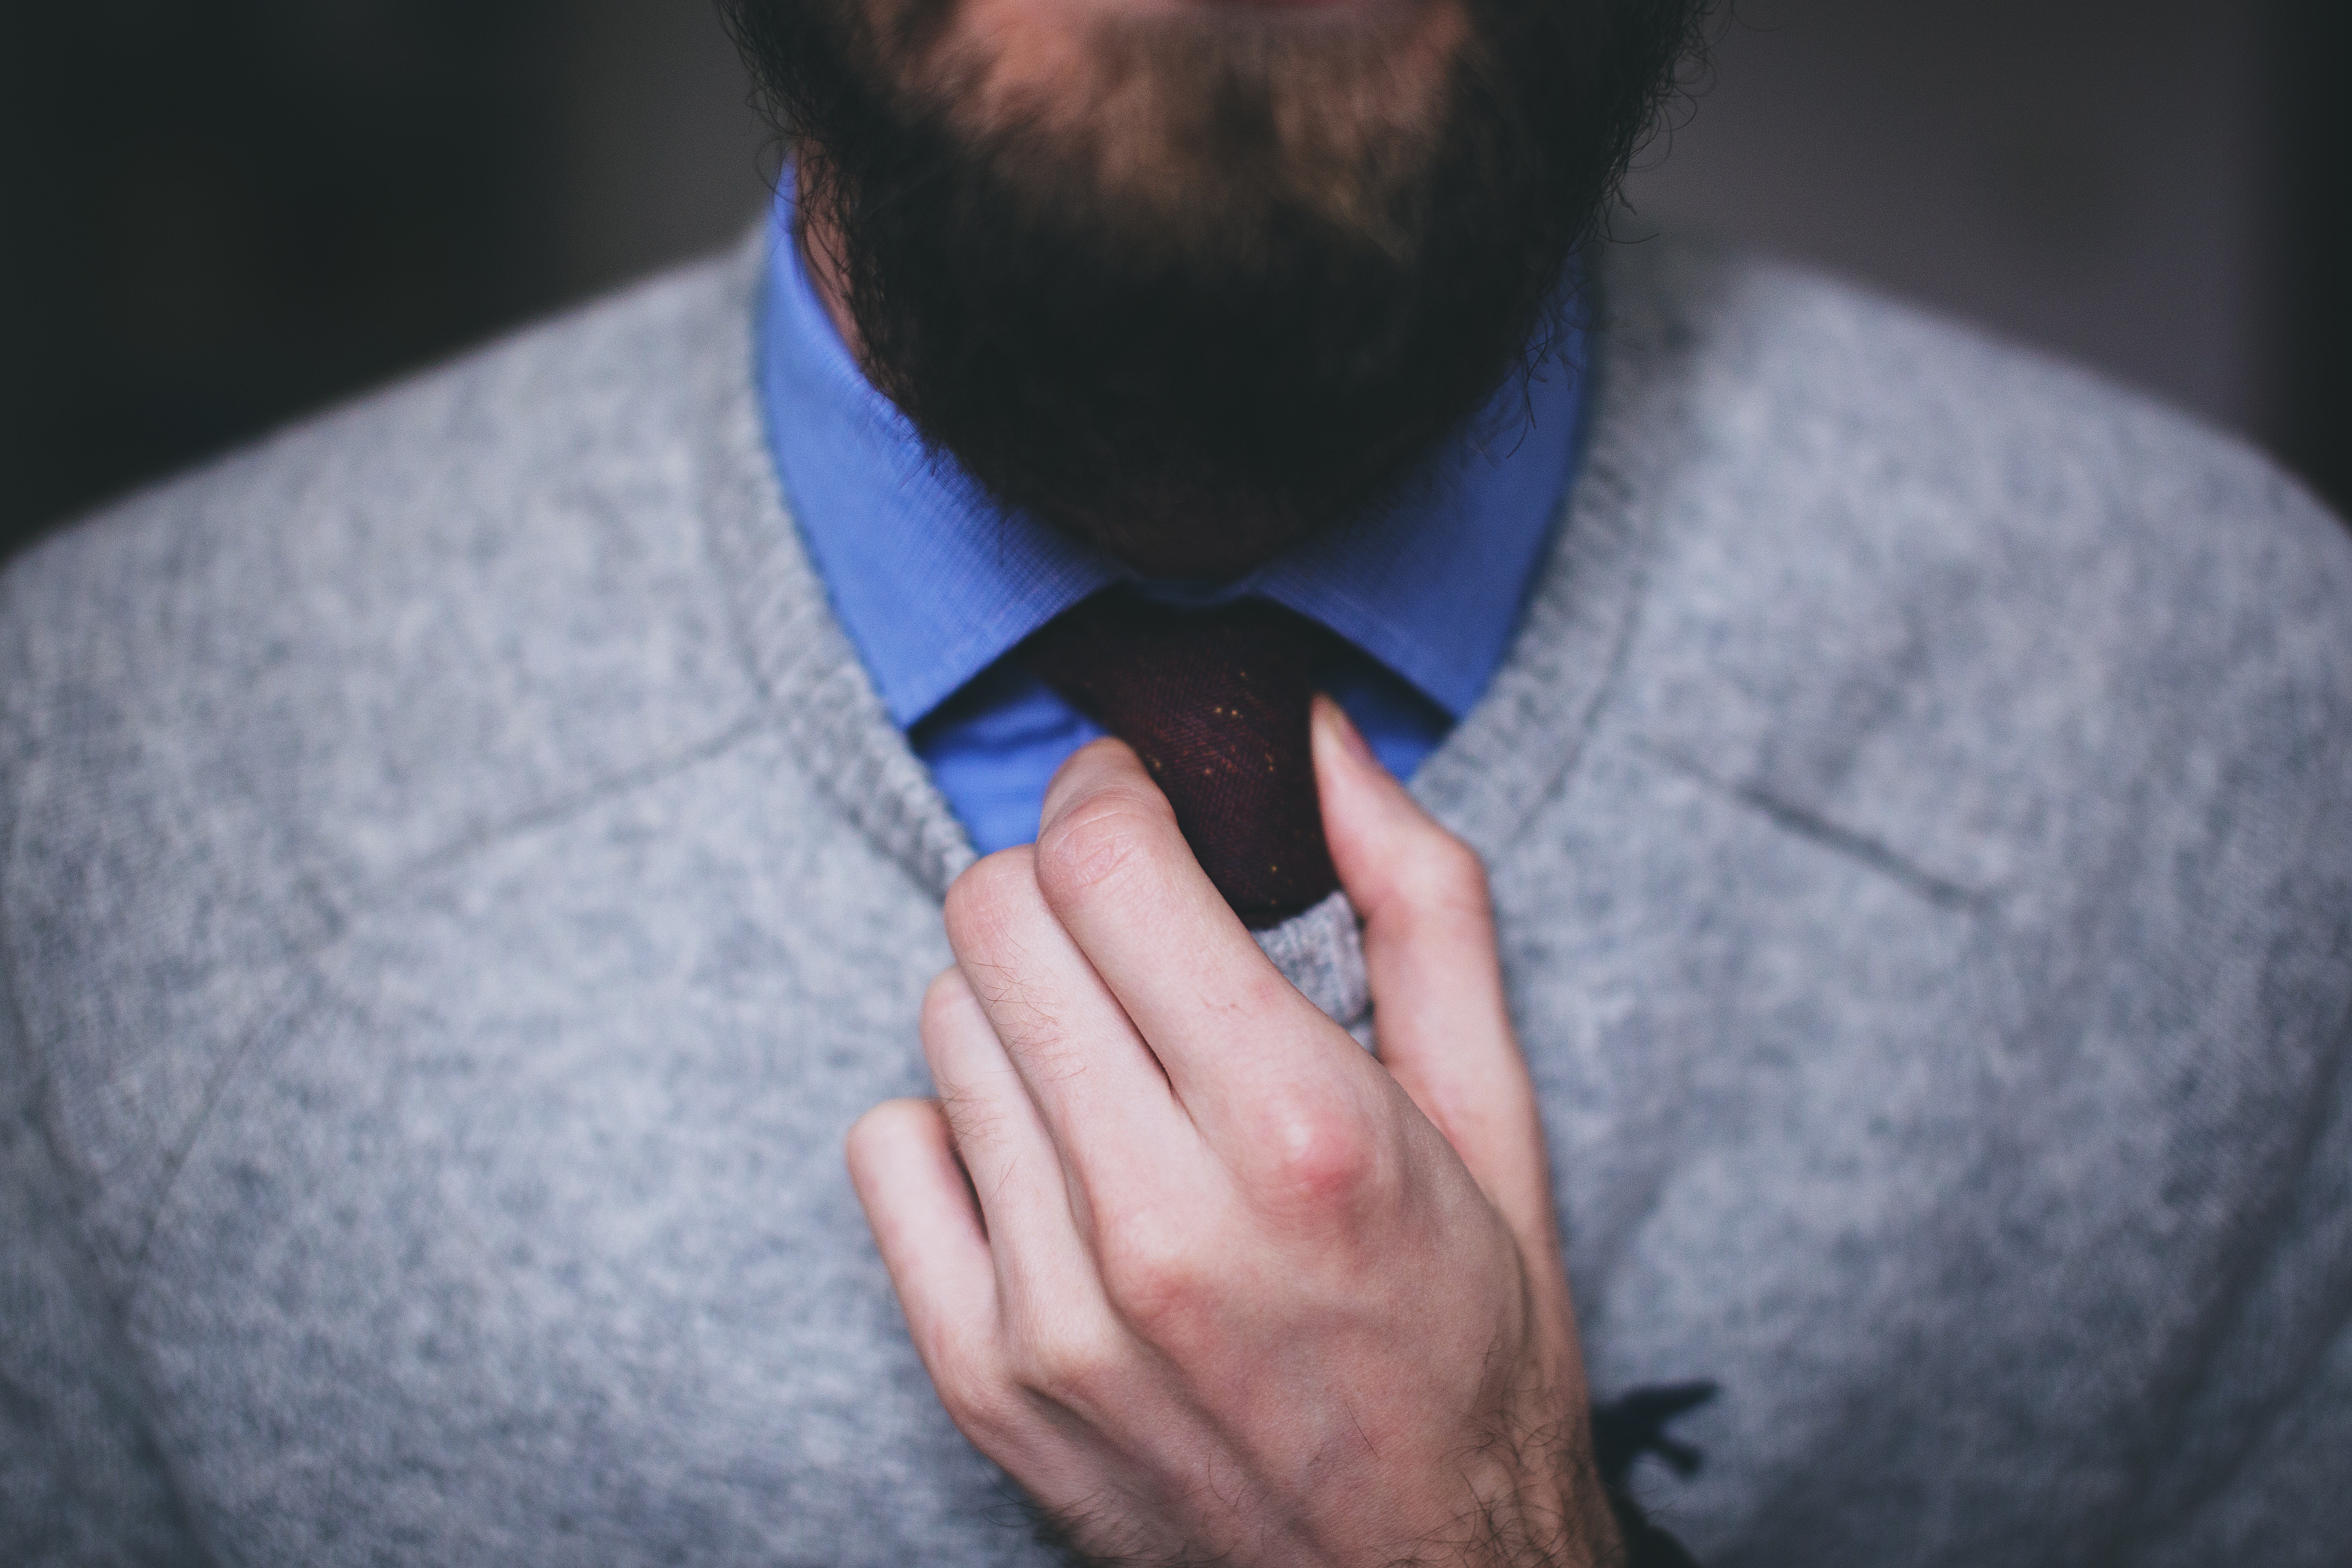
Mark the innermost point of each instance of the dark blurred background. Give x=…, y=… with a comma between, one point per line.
x=220, y=213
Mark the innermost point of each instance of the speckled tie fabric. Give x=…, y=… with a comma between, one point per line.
x=1215, y=702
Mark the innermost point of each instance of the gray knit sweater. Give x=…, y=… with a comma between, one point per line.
x=459, y=885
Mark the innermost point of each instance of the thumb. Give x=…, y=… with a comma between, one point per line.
x=1437, y=986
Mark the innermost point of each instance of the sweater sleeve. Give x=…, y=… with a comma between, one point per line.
x=2256, y=1455
x=81, y=1481
x=2261, y=1454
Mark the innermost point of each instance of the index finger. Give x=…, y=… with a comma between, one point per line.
x=1094, y=1084
x=1226, y=1025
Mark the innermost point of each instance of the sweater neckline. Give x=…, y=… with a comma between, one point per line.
x=1509, y=753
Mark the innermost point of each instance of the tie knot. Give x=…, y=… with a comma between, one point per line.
x=1215, y=702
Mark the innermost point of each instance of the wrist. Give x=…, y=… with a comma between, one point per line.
x=1542, y=1510
x=1571, y=1517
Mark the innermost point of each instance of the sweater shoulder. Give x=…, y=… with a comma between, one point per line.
x=460, y=597
x=1971, y=604
x=241, y=705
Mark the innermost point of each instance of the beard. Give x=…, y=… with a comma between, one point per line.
x=1210, y=279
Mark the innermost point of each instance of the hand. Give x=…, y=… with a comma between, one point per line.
x=1207, y=1279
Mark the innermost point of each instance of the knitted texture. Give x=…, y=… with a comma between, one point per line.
x=458, y=887
x=1215, y=702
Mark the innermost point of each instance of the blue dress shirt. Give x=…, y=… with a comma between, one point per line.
x=934, y=582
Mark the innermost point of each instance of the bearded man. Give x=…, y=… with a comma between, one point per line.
x=1872, y=909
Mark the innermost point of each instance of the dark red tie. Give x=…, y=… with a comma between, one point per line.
x=1215, y=702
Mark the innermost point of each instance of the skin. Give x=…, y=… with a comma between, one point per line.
x=1205, y=1278
x=999, y=62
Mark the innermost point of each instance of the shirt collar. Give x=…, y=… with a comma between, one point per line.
x=934, y=581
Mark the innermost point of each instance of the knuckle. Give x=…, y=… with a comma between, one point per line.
x=1316, y=1154
x=874, y=1135
x=1445, y=874
x=1156, y=1276
x=1076, y=1361
x=944, y=1001
x=1098, y=842
x=987, y=896
x=972, y=1388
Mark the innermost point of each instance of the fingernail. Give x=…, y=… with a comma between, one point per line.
x=1345, y=729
